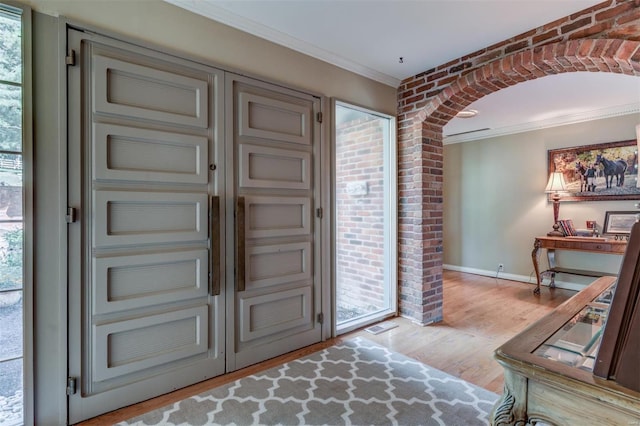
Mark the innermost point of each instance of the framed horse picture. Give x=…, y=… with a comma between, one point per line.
x=606, y=171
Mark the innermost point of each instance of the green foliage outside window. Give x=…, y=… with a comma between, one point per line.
x=11, y=260
x=10, y=140
x=10, y=94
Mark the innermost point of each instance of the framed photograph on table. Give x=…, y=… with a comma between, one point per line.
x=619, y=223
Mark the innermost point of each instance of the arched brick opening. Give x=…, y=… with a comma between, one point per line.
x=421, y=261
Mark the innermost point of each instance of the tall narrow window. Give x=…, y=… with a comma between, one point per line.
x=365, y=216
x=12, y=224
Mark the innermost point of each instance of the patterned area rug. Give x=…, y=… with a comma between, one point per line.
x=356, y=382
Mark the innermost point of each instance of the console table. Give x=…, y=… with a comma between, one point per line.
x=586, y=244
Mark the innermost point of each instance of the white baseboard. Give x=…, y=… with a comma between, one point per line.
x=514, y=277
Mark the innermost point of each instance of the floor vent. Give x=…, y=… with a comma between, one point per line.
x=381, y=328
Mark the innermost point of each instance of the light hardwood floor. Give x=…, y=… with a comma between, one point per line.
x=480, y=313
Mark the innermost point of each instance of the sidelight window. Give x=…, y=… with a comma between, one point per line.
x=365, y=216
x=14, y=290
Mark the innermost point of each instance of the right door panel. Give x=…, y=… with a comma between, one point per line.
x=277, y=284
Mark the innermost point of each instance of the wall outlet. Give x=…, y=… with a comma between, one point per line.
x=500, y=267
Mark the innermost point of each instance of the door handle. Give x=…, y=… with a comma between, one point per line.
x=214, y=290
x=240, y=247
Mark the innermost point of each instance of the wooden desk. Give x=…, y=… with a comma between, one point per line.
x=586, y=244
x=538, y=389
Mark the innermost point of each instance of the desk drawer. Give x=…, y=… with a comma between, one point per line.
x=582, y=245
x=599, y=246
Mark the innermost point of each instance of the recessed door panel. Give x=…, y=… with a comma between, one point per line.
x=133, y=154
x=138, y=281
x=278, y=264
x=137, y=91
x=277, y=216
x=274, y=313
x=268, y=118
x=264, y=167
x=133, y=218
x=131, y=345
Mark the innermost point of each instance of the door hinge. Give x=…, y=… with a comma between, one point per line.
x=71, y=216
x=71, y=385
x=319, y=117
x=319, y=212
x=70, y=59
x=321, y=318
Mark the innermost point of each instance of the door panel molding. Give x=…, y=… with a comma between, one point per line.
x=278, y=264
x=266, y=118
x=135, y=217
x=151, y=156
x=277, y=216
x=151, y=340
x=270, y=314
x=265, y=167
x=137, y=91
x=139, y=281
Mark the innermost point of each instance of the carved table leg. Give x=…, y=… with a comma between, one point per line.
x=511, y=408
x=535, y=256
x=551, y=257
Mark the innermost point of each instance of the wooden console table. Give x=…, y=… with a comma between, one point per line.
x=586, y=244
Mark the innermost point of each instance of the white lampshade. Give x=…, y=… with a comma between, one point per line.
x=556, y=183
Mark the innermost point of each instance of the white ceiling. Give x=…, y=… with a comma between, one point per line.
x=369, y=36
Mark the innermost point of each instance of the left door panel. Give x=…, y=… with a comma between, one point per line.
x=145, y=313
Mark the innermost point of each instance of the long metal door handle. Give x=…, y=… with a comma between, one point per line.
x=215, y=246
x=240, y=248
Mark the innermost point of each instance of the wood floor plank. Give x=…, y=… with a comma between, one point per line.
x=480, y=314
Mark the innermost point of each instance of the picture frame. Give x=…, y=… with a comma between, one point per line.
x=619, y=223
x=617, y=181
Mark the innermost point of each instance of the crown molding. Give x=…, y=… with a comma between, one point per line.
x=581, y=117
x=219, y=14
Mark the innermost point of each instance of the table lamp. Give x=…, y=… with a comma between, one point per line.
x=555, y=186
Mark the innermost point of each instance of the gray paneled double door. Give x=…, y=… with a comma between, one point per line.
x=195, y=247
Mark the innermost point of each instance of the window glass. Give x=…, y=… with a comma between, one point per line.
x=11, y=220
x=10, y=47
x=10, y=117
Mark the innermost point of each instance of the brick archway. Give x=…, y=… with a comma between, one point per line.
x=604, y=55
x=421, y=261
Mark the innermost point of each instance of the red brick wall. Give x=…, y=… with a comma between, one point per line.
x=359, y=216
x=603, y=38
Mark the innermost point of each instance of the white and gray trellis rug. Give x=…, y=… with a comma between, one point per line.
x=356, y=382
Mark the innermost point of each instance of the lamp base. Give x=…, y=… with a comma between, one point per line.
x=556, y=231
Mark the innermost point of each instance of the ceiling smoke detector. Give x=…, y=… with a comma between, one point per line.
x=467, y=113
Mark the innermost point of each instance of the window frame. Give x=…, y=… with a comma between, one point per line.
x=390, y=214
x=25, y=14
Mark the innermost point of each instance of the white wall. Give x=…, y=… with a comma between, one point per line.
x=495, y=205
x=180, y=31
